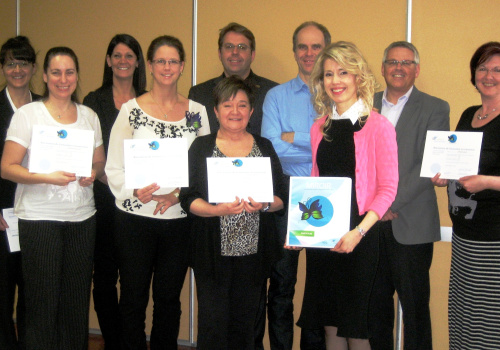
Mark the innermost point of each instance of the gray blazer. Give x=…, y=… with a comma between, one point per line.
x=416, y=203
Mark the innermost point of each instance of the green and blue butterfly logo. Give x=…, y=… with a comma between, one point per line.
x=154, y=145
x=317, y=211
x=62, y=134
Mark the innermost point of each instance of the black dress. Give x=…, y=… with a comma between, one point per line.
x=338, y=285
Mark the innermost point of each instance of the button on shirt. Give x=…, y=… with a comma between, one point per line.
x=288, y=108
x=393, y=111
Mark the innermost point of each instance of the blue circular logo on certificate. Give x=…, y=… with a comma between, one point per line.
x=62, y=134
x=154, y=145
x=452, y=138
x=237, y=162
x=317, y=211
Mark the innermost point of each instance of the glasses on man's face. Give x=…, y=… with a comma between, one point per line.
x=162, y=63
x=21, y=64
x=482, y=70
x=395, y=63
x=230, y=47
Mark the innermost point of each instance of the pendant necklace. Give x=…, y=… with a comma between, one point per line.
x=165, y=116
x=484, y=116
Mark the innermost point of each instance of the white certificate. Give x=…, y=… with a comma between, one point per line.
x=319, y=211
x=160, y=161
x=452, y=153
x=59, y=148
x=229, y=178
x=12, y=230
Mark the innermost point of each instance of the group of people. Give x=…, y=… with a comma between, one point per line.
x=327, y=121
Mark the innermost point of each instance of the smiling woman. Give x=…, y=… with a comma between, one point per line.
x=338, y=282
x=55, y=211
x=160, y=251
x=18, y=62
x=234, y=244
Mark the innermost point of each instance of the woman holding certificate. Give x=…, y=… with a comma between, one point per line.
x=152, y=233
x=234, y=244
x=474, y=204
x=55, y=210
x=348, y=140
x=124, y=78
x=18, y=62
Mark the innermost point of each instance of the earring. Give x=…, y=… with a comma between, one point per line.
x=182, y=72
x=151, y=73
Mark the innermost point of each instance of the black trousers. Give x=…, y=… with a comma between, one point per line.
x=11, y=275
x=57, y=269
x=405, y=269
x=228, y=306
x=280, y=301
x=106, y=268
x=151, y=249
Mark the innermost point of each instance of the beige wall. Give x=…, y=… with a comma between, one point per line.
x=446, y=33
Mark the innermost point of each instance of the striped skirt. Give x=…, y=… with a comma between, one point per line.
x=474, y=299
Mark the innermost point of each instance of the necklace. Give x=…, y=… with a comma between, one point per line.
x=60, y=115
x=484, y=116
x=159, y=106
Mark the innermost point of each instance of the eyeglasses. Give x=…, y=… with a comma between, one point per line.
x=162, y=62
x=230, y=47
x=21, y=64
x=404, y=63
x=482, y=70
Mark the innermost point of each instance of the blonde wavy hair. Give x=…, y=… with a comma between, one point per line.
x=348, y=56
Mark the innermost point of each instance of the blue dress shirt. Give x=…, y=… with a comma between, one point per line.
x=288, y=108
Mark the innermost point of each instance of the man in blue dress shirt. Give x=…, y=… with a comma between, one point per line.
x=288, y=117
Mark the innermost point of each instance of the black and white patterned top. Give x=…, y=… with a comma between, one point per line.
x=240, y=232
x=133, y=123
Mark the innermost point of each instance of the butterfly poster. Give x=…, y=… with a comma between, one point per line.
x=319, y=211
x=162, y=161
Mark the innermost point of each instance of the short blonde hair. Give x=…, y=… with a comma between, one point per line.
x=348, y=56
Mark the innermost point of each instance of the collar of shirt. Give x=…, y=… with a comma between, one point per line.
x=353, y=113
x=298, y=85
x=393, y=111
x=14, y=108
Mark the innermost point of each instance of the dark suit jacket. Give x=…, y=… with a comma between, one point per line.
x=416, y=202
x=203, y=93
x=7, y=188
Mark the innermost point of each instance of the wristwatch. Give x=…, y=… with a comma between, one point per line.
x=266, y=209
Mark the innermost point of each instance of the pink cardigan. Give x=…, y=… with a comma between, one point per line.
x=376, y=153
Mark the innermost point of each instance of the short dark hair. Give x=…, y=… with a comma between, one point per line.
x=237, y=28
x=165, y=40
x=60, y=51
x=18, y=48
x=229, y=87
x=482, y=54
x=139, y=81
x=404, y=44
x=326, y=34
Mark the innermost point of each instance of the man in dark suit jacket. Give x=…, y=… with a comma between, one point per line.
x=411, y=224
x=236, y=53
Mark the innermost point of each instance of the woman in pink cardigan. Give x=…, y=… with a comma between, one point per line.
x=350, y=140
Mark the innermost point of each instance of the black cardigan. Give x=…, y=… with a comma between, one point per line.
x=205, y=232
x=7, y=188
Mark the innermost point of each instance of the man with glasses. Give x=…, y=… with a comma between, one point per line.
x=411, y=224
x=236, y=53
x=288, y=117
